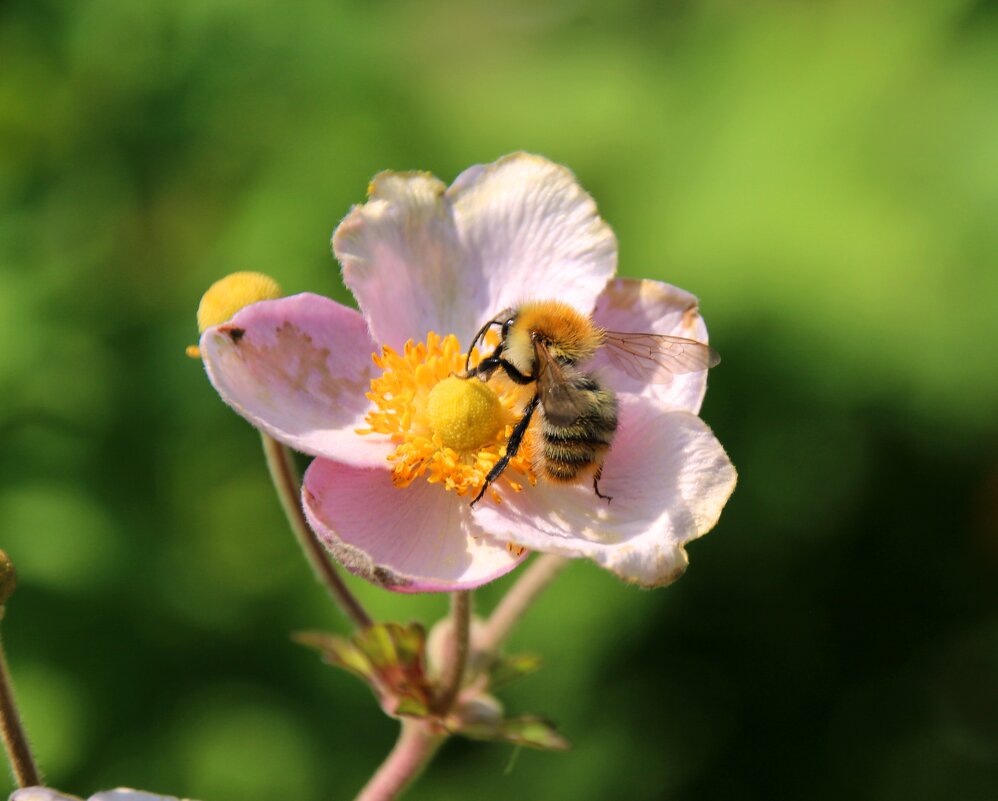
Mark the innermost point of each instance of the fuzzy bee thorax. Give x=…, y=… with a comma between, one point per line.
x=569, y=335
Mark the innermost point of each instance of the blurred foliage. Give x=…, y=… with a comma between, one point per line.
x=822, y=175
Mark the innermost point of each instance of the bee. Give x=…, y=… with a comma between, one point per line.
x=545, y=343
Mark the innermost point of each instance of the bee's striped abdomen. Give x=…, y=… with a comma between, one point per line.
x=569, y=450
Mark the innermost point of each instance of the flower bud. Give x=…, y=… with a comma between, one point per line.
x=230, y=294
x=440, y=643
x=8, y=578
x=482, y=711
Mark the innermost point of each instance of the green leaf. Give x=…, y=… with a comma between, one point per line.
x=410, y=641
x=378, y=645
x=510, y=668
x=337, y=651
x=413, y=707
x=389, y=657
x=527, y=731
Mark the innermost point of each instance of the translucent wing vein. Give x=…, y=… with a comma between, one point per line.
x=657, y=357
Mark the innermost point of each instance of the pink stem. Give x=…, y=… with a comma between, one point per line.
x=453, y=668
x=282, y=472
x=412, y=752
x=14, y=738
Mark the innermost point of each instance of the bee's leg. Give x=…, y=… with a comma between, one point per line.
x=596, y=477
x=487, y=366
x=512, y=446
x=478, y=337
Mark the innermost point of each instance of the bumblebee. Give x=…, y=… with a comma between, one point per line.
x=544, y=343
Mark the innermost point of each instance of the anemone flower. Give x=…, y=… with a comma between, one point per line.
x=403, y=443
x=121, y=794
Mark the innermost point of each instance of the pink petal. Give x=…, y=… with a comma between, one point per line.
x=298, y=368
x=419, y=257
x=420, y=538
x=669, y=478
x=646, y=306
x=121, y=794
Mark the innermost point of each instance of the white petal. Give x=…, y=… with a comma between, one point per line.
x=419, y=258
x=121, y=794
x=124, y=794
x=532, y=232
x=403, y=262
x=40, y=794
x=669, y=478
x=299, y=368
x=645, y=306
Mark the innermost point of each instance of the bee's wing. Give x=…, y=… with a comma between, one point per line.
x=657, y=357
x=560, y=400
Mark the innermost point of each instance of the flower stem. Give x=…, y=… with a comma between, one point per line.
x=14, y=739
x=453, y=668
x=541, y=572
x=412, y=752
x=282, y=471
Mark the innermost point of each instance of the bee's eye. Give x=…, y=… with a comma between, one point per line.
x=505, y=328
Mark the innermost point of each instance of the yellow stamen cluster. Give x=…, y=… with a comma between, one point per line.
x=450, y=429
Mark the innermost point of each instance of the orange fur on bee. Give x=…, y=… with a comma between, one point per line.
x=570, y=336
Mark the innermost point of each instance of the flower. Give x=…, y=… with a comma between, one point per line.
x=121, y=794
x=402, y=445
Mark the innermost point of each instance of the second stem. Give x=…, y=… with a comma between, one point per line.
x=457, y=659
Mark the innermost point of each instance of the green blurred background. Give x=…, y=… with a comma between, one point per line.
x=823, y=175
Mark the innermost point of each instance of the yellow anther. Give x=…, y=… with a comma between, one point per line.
x=227, y=296
x=464, y=413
